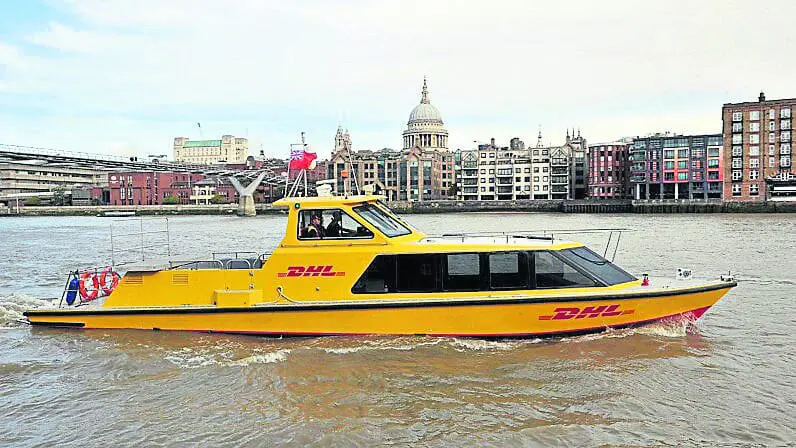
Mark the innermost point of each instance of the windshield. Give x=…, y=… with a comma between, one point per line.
x=381, y=220
x=596, y=265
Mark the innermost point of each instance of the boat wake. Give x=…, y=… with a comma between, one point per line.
x=673, y=328
x=191, y=358
x=12, y=307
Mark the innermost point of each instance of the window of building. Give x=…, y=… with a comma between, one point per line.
x=682, y=164
x=737, y=116
x=508, y=270
x=379, y=278
x=713, y=163
x=754, y=150
x=737, y=151
x=668, y=165
x=545, y=169
x=551, y=271
x=737, y=174
x=754, y=175
x=462, y=272
x=784, y=112
x=785, y=136
x=772, y=162
x=737, y=127
x=417, y=273
x=754, y=115
x=772, y=137
x=544, y=187
x=737, y=139
x=784, y=148
x=754, y=163
x=736, y=189
x=535, y=188
x=536, y=169
x=682, y=176
x=668, y=176
x=713, y=175
x=772, y=125
x=772, y=114
x=754, y=126
x=668, y=153
x=784, y=161
x=754, y=138
x=784, y=124
x=737, y=163
x=754, y=190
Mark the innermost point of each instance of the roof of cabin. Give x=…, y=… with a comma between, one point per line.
x=326, y=201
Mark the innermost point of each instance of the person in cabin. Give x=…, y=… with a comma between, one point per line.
x=315, y=229
x=335, y=228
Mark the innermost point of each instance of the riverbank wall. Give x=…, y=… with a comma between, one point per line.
x=534, y=206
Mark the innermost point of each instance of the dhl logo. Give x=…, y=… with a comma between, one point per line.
x=588, y=312
x=310, y=271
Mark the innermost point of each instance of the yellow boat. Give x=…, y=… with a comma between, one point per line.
x=349, y=266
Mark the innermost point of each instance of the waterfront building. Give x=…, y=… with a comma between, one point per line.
x=229, y=149
x=29, y=178
x=758, y=151
x=205, y=190
x=670, y=166
x=609, y=170
x=422, y=170
x=150, y=187
x=516, y=172
x=579, y=165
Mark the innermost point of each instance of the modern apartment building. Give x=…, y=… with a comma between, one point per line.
x=229, y=149
x=669, y=166
x=30, y=178
x=758, y=137
x=609, y=170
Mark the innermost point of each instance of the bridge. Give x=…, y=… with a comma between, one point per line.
x=270, y=172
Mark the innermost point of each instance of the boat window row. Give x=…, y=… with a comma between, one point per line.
x=334, y=223
x=478, y=271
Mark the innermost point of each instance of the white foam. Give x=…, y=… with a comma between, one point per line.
x=187, y=358
x=12, y=307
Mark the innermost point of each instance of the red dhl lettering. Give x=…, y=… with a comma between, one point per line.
x=311, y=271
x=589, y=312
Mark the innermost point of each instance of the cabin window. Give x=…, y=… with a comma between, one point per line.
x=596, y=265
x=462, y=272
x=553, y=272
x=379, y=219
x=379, y=278
x=330, y=224
x=508, y=270
x=417, y=273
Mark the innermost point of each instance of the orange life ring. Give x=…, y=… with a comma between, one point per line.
x=86, y=292
x=103, y=280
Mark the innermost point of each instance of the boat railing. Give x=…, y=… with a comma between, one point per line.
x=133, y=240
x=614, y=236
x=235, y=261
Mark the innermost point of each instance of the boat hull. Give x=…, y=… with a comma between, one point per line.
x=486, y=317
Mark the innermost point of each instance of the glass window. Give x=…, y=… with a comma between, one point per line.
x=596, y=265
x=552, y=272
x=462, y=272
x=330, y=224
x=508, y=270
x=378, y=278
x=737, y=116
x=417, y=273
x=386, y=224
x=754, y=115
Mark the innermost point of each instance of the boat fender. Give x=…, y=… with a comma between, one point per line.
x=71, y=291
x=89, y=291
x=103, y=280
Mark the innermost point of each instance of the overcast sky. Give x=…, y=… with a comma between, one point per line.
x=127, y=76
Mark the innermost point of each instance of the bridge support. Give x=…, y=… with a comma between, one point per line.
x=246, y=195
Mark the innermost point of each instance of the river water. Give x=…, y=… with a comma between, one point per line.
x=728, y=380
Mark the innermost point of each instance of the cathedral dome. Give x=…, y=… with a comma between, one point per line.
x=425, y=111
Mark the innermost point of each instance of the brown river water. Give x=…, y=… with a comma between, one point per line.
x=726, y=381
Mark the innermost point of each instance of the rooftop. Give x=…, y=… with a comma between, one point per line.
x=201, y=143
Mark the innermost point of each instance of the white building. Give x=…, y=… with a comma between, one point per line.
x=229, y=149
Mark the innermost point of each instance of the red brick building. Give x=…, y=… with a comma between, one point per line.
x=757, y=150
x=609, y=171
x=150, y=187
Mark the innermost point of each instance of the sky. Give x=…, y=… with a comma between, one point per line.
x=125, y=77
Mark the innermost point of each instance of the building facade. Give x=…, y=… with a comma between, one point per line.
x=758, y=138
x=229, y=149
x=150, y=187
x=30, y=178
x=516, y=172
x=669, y=166
x=609, y=170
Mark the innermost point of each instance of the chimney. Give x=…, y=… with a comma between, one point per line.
x=762, y=97
x=492, y=141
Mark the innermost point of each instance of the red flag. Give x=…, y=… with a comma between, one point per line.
x=303, y=158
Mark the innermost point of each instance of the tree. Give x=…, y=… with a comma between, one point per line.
x=171, y=200
x=59, y=195
x=218, y=199
x=35, y=200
